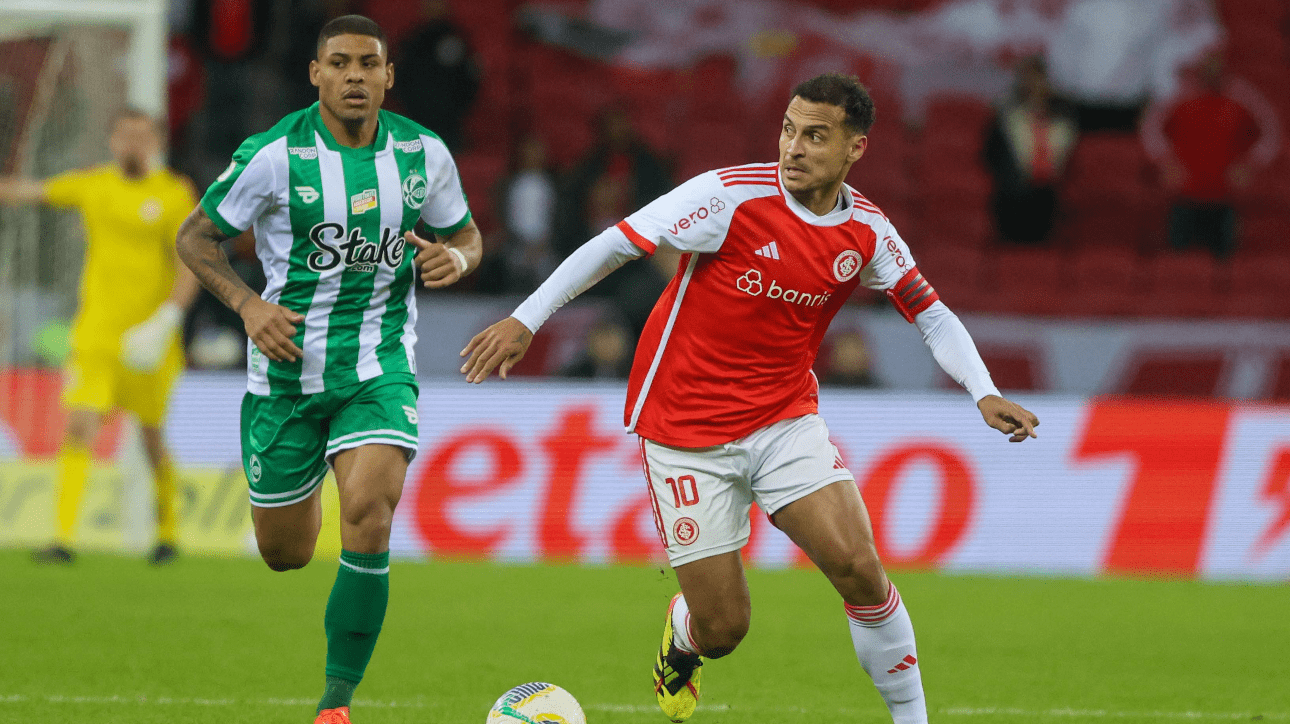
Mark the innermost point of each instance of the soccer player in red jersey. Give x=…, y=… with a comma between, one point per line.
x=722, y=394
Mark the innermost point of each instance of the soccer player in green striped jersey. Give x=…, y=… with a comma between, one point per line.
x=333, y=193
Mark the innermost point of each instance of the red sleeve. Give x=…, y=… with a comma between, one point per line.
x=912, y=294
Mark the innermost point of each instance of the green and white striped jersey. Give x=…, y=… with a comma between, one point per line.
x=329, y=223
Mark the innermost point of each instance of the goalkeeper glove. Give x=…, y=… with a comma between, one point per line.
x=144, y=345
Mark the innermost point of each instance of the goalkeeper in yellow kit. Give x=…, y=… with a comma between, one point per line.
x=125, y=342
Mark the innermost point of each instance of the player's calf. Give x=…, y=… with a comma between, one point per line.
x=718, y=632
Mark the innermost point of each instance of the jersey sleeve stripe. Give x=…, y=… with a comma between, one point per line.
x=641, y=242
x=450, y=230
x=748, y=167
x=751, y=183
x=735, y=176
x=208, y=205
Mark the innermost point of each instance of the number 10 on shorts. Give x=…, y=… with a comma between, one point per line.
x=684, y=490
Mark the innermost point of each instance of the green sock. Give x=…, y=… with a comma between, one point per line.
x=355, y=611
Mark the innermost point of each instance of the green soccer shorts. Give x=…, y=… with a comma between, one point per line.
x=289, y=440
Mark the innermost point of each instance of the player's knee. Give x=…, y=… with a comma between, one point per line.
x=372, y=516
x=860, y=579
x=286, y=558
x=719, y=635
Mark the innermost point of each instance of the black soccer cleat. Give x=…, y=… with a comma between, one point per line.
x=54, y=555
x=162, y=554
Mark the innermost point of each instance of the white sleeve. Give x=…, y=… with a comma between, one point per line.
x=591, y=262
x=954, y=351
x=248, y=187
x=694, y=216
x=892, y=270
x=444, y=209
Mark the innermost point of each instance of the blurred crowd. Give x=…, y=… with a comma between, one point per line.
x=1104, y=157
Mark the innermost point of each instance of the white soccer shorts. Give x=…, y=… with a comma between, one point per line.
x=702, y=496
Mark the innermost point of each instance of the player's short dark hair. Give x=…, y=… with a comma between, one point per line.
x=844, y=91
x=351, y=25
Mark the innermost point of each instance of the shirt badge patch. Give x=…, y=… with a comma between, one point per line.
x=304, y=153
x=150, y=211
x=846, y=265
x=414, y=191
x=408, y=146
x=308, y=194
x=362, y=202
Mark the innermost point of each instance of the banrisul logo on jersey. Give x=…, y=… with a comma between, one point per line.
x=752, y=284
x=353, y=250
x=414, y=190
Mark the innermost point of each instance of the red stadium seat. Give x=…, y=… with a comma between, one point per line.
x=1111, y=157
x=953, y=114
x=1183, y=285
x=1104, y=268
x=954, y=272
x=1264, y=231
x=1281, y=385
x=952, y=221
x=1260, y=273
x=1025, y=281
x=480, y=173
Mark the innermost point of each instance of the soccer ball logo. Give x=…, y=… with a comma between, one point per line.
x=846, y=265
x=686, y=531
x=536, y=703
x=750, y=282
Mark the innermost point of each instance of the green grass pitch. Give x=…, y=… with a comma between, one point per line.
x=219, y=641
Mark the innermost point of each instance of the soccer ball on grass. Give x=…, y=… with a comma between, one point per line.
x=536, y=703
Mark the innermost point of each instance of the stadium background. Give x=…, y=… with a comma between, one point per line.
x=1099, y=319
x=1162, y=379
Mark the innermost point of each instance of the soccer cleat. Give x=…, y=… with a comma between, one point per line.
x=339, y=715
x=56, y=554
x=162, y=554
x=676, y=675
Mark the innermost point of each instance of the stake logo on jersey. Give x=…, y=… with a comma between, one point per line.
x=355, y=251
x=329, y=223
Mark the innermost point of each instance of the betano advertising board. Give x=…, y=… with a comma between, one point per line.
x=527, y=471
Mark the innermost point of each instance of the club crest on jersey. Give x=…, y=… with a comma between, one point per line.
x=362, y=202
x=308, y=194
x=847, y=265
x=686, y=531
x=414, y=190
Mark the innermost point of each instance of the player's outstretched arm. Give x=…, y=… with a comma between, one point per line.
x=269, y=326
x=444, y=264
x=1008, y=417
x=501, y=345
x=17, y=191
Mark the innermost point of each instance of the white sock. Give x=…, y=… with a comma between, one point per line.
x=884, y=639
x=681, y=635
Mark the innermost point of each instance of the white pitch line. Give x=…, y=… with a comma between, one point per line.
x=420, y=703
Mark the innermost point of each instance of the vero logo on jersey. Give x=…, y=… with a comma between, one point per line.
x=362, y=202
x=308, y=194
x=752, y=284
x=714, y=207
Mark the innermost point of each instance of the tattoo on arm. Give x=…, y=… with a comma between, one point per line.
x=199, y=247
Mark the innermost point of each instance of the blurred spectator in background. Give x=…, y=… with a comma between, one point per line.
x=618, y=176
x=229, y=34
x=304, y=20
x=437, y=73
x=848, y=363
x=1026, y=151
x=1110, y=57
x=213, y=334
x=1208, y=142
x=608, y=355
x=526, y=202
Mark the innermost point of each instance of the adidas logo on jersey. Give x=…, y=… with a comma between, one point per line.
x=751, y=283
x=770, y=251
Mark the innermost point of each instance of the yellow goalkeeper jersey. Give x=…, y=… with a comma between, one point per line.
x=130, y=228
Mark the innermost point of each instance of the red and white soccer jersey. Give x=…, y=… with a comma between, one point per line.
x=729, y=346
